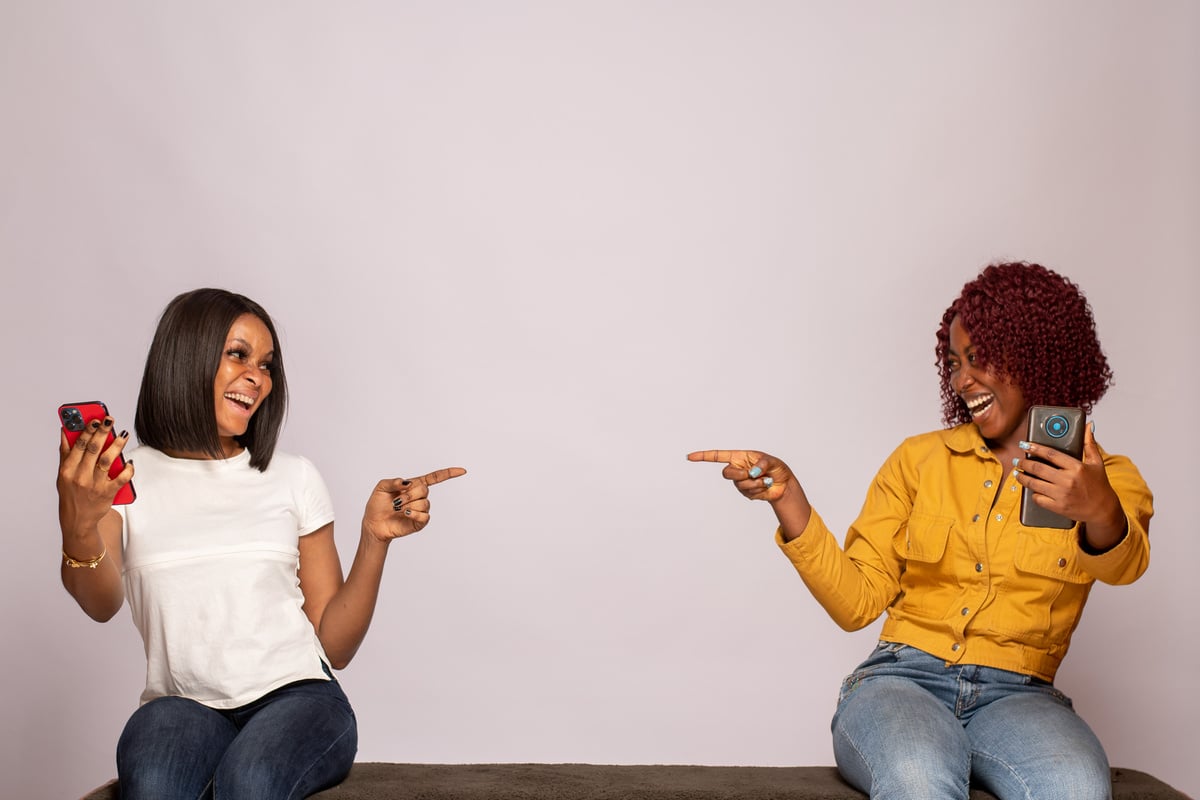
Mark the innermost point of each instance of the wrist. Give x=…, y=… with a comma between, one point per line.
x=84, y=563
x=370, y=538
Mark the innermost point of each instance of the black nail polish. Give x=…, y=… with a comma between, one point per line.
x=95, y=424
x=124, y=434
x=108, y=422
x=406, y=483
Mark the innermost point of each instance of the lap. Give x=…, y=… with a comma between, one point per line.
x=288, y=744
x=905, y=718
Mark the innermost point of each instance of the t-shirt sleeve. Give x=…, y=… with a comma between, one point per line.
x=314, y=507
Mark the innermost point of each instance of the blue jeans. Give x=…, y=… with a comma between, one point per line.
x=291, y=743
x=909, y=726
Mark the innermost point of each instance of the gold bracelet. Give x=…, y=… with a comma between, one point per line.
x=91, y=563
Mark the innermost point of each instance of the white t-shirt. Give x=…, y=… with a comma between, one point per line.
x=210, y=561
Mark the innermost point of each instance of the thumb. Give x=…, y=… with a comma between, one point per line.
x=1091, y=450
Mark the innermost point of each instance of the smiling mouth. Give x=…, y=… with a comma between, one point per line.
x=978, y=405
x=245, y=401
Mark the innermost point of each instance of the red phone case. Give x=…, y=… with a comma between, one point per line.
x=75, y=417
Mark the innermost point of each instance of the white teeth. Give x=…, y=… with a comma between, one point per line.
x=978, y=402
x=237, y=397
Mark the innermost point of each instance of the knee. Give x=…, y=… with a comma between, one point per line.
x=1079, y=779
x=917, y=771
x=1075, y=776
x=265, y=771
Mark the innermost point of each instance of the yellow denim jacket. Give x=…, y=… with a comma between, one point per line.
x=939, y=546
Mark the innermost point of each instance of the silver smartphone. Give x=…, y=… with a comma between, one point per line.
x=1062, y=429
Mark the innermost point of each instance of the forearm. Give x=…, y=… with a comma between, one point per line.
x=793, y=511
x=822, y=565
x=1115, y=547
x=348, y=615
x=853, y=594
x=97, y=589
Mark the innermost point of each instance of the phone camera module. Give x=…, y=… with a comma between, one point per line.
x=1057, y=426
x=72, y=419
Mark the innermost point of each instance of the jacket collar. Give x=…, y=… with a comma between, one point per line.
x=964, y=438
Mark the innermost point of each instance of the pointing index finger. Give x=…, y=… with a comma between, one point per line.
x=712, y=456
x=437, y=476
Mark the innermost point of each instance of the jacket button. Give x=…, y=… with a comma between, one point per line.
x=987, y=484
x=954, y=647
x=1062, y=562
x=979, y=567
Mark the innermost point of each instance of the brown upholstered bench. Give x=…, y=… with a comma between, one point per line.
x=377, y=781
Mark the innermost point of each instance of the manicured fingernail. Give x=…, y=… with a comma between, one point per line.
x=408, y=512
x=405, y=483
x=1015, y=462
x=1023, y=445
x=755, y=471
x=94, y=424
x=108, y=422
x=1092, y=425
x=124, y=434
x=768, y=481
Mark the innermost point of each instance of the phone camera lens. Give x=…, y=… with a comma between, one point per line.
x=1057, y=427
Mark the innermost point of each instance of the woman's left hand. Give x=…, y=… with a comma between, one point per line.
x=400, y=506
x=1078, y=490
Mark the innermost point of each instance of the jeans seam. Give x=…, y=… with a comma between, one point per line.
x=854, y=746
x=317, y=760
x=1008, y=767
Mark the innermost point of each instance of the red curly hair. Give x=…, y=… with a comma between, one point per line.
x=1033, y=326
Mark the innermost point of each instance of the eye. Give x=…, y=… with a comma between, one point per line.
x=236, y=352
x=267, y=366
x=952, y=365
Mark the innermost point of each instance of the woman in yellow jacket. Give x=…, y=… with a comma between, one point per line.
x=980, y=608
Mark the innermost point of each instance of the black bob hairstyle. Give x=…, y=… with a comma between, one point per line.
x=175, y=408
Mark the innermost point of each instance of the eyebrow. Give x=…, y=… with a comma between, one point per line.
x=248, y=346
x=952, y=352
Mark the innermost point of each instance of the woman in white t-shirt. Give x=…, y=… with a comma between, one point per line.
x=227, y=559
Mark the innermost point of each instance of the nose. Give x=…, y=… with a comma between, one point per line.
x=254, y=374
x=963, y=379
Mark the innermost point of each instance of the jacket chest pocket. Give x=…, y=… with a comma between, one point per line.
x=1049, y=555
x=924, y=538
x=921, y=545
x=1046, y=589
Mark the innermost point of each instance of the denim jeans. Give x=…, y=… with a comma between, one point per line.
x=909, y=726
x=291, y=743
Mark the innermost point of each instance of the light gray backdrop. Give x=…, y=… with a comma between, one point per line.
x=562, y=244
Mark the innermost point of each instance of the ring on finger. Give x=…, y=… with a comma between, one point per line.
x=768, y=482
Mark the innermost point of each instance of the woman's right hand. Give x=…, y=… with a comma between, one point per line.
x=91, y=529
x=759, y=476
x=85, y=491
x=756, y=475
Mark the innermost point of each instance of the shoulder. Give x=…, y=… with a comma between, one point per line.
x=959, y=439
x=290, y=466
x=1121, y=469
x=932, y=456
